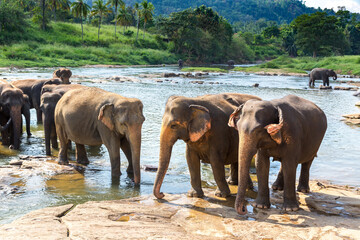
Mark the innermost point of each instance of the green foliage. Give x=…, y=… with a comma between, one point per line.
x=12, y=22
x=203, y=69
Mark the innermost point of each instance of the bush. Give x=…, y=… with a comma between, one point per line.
x=128, y=33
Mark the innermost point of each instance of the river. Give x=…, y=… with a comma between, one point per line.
x=337, y=161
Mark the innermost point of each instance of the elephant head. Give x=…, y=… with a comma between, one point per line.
x=332, y=73
x=11, y=101
x=260, y=125
x=64, y=74
x=181, y=120
x=125, y=119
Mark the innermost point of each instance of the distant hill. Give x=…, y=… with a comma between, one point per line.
x=281, y=11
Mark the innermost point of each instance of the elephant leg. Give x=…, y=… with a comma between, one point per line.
x=112, y=143
x=125, y=147
x=262, y=172
x=310, y=81
x=279, y=182
x=193, y=162
x=218, y=169
x=304, y=177
x=54, y=142
x=39, y=115
x=233, y=178
x=81, y=156
x=63, y=158
x=289, y=171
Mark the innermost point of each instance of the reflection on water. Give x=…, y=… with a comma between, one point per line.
x=337, y=158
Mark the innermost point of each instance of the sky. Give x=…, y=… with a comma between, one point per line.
x=351, y=5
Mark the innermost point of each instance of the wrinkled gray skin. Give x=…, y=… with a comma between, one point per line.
x=11, y=102
x=290, y=130
x=92, y=116
x=321, y=74
x=201, y=123
x=50, y=95
x=64, y=74
x=32, y=88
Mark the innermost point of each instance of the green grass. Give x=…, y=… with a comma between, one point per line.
x=346, y=65
x=203, y=69
x=62, y=46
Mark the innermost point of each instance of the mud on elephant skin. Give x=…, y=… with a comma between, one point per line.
x=201, y=123
x=290, y=130
x=11, y=102
x=50, y=95
x=321, y=74
x=92, y=116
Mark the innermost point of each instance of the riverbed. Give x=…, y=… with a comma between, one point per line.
x=337, y=161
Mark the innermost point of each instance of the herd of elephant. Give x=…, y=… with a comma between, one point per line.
x=220, y=129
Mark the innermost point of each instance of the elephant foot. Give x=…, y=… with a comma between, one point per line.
x=290, y=206
x=29, y=135
x=115, y=174
x=130, y=170
x=263, y=204
x=303, y=189
x=278, y=185
x=83, y=161
x=223, y=194
x=232, y=181
x=194, y=193
x=63, y=162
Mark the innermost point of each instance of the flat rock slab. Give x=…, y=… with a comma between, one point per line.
x=329, y=212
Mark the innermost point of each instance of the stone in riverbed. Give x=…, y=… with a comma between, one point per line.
x=322, y=87
x=16, y=162
x=357, y=104
x=346, y=88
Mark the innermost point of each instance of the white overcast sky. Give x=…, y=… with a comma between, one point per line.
x=351, y=5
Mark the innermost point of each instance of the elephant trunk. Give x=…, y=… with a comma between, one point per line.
x=135, y=144
x=15, y=115
x=47, y=130
x=335, y=77
x=26, y=113
x=166, y=144
x=247, y=149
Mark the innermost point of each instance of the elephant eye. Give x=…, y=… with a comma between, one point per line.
x=173, y=126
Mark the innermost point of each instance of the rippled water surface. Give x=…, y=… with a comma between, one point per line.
x=338, y=158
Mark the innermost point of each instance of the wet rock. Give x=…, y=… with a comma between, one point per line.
x=352, y=116
x=159, y=81
x=189, y=75
x=329, y=212
x=150, y=168
x=352, y=119
x=256, y=85
x=197, y=82
x=16, y=162
x=346, y=88
x=169, y=75
x=322, y=87
x=357, y=104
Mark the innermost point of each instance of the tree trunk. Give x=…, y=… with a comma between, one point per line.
x=43, y=15
x=144, y=29
x=82, y=30
x=99, y=30
x=115, y=19
x=138, y=22
x=314, y=54
x=54, y=13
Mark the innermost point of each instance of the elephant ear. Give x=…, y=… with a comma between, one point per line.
x=200, y=122
x=235, y=116
x=106, y=115
x=274, y=130
x=57, y=73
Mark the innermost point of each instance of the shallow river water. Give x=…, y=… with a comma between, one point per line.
x=338, y=158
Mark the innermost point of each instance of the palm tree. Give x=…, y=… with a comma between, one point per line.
x=124, y=17
x=115, y=3
x=63, y=4
x=100, y=9
x=79, y=8
x=138, y=13
x=147, y=12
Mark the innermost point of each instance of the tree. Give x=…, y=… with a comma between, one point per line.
x=62, y=4
x=138, y=14
x=318, y=32
x=80, y=9
x=116, y=3
x=124, y=17
x=100, y=9
x=147, y=12
x=288, y=38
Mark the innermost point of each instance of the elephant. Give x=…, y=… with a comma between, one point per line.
x=50, y=95
x=181, y=63
x=92, y=116
x=231, y=63
x=25, y=110
x=290, y=130
x=201, y=123
x=64, y=74
x=32, y=88
x=11, y=102
x=321, y=74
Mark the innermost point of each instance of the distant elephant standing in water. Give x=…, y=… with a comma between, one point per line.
x=231, y=63
x=92, y=116
x=64, y=74
x=181, y=63
x=321, y=74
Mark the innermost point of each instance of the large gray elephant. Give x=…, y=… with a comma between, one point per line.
x=201, y=123
x=32, y=88
x=11, y=103
x=92, y=116
x=321, y=74
x=50, y=95
x=64, y=74
x=290, y=130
